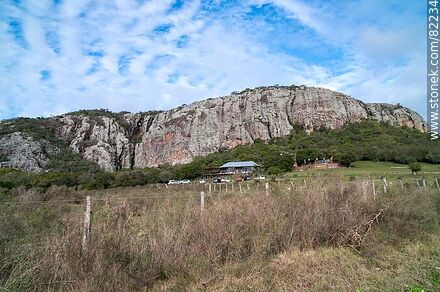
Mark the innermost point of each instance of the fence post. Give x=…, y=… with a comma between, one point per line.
x=424, y=184
x=385, y=185
x=87, y=226
x=209, y=188
x=418, y=185
x=401, y=184
x=226, y=187
x=248, y=188
x=436, y=182
x=202, y=201
x=267, y=189
x=239, y=186
x=374, y=191
x=232, y=187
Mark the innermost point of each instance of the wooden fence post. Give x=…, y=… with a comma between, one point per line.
x=374, y=191
x=232, y=187
x=267, y=189
x=424, y=184
x=239, y=186
x=436, y=182
x=248, y=188
x=418, y=185
x=226, y=187
x=401, y=184
x=87, y=226
x=202, y=201
x=209, y=188
x=385, y=185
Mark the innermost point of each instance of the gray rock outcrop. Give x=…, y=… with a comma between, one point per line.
x=178, y=135
x=23, y=152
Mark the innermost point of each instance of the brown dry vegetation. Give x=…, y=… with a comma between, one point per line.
x=319, y=236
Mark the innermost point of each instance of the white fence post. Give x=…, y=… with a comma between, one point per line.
x=436, y=182
x=239, y=186
x=385, y=185
x=87, y=226
x=202, y=201
x=267, y=189
x=374, y=191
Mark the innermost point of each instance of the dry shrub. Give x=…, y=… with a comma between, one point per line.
x=135, y=246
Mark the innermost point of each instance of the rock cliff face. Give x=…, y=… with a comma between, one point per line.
x=126, y=140
x=178, y=135
x=25, y=153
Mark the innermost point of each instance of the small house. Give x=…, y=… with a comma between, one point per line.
x=239, y=167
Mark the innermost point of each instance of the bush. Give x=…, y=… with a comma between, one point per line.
x=273, y=170
x=415, y=167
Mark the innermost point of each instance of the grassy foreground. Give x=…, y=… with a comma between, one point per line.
x=322, y=235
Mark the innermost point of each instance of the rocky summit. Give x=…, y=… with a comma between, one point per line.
x=134, y=140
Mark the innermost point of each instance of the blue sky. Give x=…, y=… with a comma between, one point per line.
x=65, y=55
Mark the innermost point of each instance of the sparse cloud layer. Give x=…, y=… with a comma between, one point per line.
x=64, y=55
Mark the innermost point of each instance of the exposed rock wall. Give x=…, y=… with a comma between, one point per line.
x=178, y=135
x=23, y=152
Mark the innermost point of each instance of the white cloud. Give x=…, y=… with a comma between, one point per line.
x=111, y=54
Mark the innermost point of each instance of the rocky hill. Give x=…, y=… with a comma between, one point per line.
x=134, y=140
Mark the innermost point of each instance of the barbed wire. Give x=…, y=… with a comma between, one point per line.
x=257, y=186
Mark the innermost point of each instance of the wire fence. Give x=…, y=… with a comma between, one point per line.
x=158, y=191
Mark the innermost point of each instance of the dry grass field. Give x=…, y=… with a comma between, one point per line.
x=305, y=235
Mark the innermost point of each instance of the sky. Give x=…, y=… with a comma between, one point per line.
x=131, y=55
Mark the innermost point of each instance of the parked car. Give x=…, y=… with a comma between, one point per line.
x=185, y=181
x=260, y=177
x=202, y=181
x=216, y=180
x=173, y=182
x=248, y=177
x=225, y=180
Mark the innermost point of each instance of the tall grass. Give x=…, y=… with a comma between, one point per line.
x=167, y=242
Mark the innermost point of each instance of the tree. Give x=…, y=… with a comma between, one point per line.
x=165, y=175
x=415, y=167
x=273, y=170
x=346, y=157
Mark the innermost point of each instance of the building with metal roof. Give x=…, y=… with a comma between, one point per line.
x=238, y=167
x=239, y=164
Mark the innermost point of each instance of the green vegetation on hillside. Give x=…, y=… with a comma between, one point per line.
x=368, y=140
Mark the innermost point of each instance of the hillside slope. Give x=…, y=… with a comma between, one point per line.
x=135, y=140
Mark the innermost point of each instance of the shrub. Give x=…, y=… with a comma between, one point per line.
x=415, y=167
x=273, y=170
